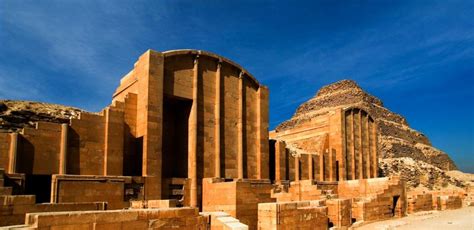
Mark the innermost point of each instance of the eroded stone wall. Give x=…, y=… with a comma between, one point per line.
x=291, y=215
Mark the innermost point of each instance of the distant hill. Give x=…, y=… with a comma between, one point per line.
x=15, y=115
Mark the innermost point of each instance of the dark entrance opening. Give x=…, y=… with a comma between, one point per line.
x=175, y=145
x=394, y=205
x=132, y=159
x=272, y=159
x=337, y=170
x=39, y=185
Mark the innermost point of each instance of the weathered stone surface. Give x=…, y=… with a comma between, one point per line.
x=15, y=115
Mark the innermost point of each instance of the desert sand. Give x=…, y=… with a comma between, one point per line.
x=446, y=220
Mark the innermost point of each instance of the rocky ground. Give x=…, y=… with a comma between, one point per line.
x=403, y=150
x=14, y=115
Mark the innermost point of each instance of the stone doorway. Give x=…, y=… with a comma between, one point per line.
x=394, y=205
x=175, y=143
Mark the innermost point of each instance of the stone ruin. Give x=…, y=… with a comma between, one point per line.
x=185, y=144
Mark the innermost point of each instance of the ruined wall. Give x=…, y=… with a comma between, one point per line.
x=419, y=202
x=173, y=218
x=86, y=145
x=93, y=146
x=303, y=190
x=14, y=207
x=38, y=149
x=75, y=188
x=223, y=221
x=241, y=199
x=339, y=212
x=445, y=202
x=291, y=215
x=372, y=209
x=376, y=198
x=4, y=150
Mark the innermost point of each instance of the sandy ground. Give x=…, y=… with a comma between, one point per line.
x=445, y=220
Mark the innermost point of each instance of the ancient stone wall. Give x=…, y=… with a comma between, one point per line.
x=339, y=144
x=291, y=215
x=14, y=207
x=38, y=149
x=82, y=188
x=4, y=150
x=445, y=202
x=173, y=218
x=339, y=212
x=419, y=202
x=304, y=190
x=241, y=198
x=223, y=221
x=375, y=199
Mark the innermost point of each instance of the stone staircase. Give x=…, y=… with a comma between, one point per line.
x=300, y=191
x=393, y=183
x=177, y=189
x=4, y=190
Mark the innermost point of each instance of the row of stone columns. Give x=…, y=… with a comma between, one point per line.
x=240, y=128
x=368, y=153
x=326, y=163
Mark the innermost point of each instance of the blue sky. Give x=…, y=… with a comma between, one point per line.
x=417, y=56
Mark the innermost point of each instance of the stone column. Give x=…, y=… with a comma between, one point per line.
x=192, y=130
x=353, y=165
x=240, y=133
x=149, y=71
x=329, y=151
x=297, y=168
x=361, y=149
x=12, y=152
x=331, y=164
x=217, y=125
x=373, y=133
x=280, y=152
x=63, y=149
x=310, y=167
x=262, y=133
x=368, y=154
x=321, y=165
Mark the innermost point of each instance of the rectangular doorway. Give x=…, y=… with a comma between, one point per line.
x=175, y=146
x=175, y=137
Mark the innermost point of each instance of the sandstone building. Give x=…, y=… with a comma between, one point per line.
x=177, y=117
x=333, y=145
x=189, y=129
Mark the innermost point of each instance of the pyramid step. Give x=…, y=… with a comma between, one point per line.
x=6, y=191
